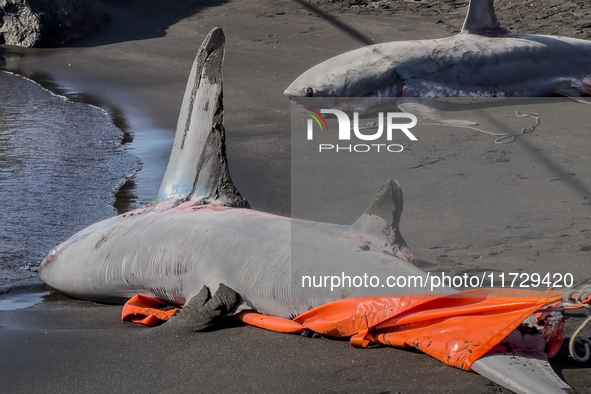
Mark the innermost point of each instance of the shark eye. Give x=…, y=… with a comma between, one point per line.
x=309, y=92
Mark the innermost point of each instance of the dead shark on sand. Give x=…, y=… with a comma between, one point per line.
x=484, y=60
x=200, y=234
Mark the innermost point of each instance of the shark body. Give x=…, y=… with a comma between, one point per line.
x=484, y=60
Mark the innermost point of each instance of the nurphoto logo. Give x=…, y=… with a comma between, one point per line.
x=345, y=130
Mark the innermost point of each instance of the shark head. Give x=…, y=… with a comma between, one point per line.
x=319, y=81
x=363, y=72
x=59, y=266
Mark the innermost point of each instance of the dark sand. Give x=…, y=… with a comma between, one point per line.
x=139, y=65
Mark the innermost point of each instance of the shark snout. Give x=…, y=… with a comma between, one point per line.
x=292, y=91
x=305, y=86
x=47, y=264
x=50, y=258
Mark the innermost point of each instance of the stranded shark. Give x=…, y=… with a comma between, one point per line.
x=484, y=60
x=201, y=231
x=201, y=234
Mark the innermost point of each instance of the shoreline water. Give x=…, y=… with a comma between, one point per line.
x=63, y=165
x=139, y=137
x=125, y=197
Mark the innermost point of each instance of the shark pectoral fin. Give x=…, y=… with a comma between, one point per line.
x=386, y=205
x=271, y=323
x=421, y=110
x=198, y=167
x=147, y=311
x=482, y=19
x=574, y=94
x=200, y=313
x=204, y=311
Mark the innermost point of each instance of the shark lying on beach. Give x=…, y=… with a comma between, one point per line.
x=200, y=234
x=484, y=60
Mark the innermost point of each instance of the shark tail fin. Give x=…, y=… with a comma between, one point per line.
x=198, y=167
x=387, y=206
x=482, y=19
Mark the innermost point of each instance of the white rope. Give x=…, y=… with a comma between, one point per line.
x=584, y=343
x=573, y=298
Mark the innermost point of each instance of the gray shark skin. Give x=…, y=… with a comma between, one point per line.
x=484, y=60
x=200, y=232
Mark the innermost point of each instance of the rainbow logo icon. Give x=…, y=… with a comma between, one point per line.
x=315, y=115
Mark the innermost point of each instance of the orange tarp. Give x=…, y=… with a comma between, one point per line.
x=456, y=329
x=146, y=310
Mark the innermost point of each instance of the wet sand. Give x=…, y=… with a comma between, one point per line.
x=139, y=65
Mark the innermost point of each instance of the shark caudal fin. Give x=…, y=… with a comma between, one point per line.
x=482, y=19
x=198, y=168
x=387, y=206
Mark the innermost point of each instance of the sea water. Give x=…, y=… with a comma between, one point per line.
x=62, y=163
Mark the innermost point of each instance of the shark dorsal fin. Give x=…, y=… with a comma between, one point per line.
x=198, y=168
x=386, y=205
x=482, y=19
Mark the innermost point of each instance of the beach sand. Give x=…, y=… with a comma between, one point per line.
x=470, y=205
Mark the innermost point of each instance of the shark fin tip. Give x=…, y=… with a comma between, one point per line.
x=386, y=205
